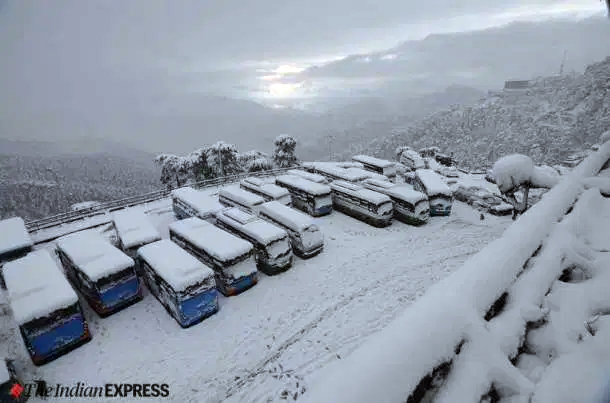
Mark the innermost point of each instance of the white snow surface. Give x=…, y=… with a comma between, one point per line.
x=427, y=333
x=372, y=160
x=435, y=184
x=216, y=242
x=292, y=218
x=14, y=235
x=512, y=170
x=259, y=229
x=36, y=286
x=314, y=188
x=199, y=201
x=94, y=255
x=234, y=192
x=175, y=265
x=358, y=190
x=308, y=175
x=4, y=375
x=133, y=228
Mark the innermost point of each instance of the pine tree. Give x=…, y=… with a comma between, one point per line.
x=284, y=153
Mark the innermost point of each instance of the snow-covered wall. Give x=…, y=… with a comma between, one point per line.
x=388, y=367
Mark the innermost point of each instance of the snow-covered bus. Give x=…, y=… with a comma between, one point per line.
x=267, y=191
x=46, y=308
x=271, y=243
x=308, y=175
x=412, y=160
x=333, y=172
x=439, y=194
x=15, y=241
x=100, y=271
x=410, y=206
x=377, y=165
x=133, y=230
x=361, y=203
x=310, y=197
x=185, y=286
x=232, y=258
x=188, y=202
x=365, y=174
x=305, y=236
x=234, y=196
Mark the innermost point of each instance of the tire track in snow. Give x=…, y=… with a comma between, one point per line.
x=297, y=336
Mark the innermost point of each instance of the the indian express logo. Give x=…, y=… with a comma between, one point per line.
x=42, y=389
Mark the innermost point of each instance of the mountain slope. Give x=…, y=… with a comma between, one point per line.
x=551, y=119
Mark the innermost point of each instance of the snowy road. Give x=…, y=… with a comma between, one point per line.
x=271, y=338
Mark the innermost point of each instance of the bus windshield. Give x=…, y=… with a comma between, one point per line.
x=43, y=325
x=321, y=201
x=278, y=247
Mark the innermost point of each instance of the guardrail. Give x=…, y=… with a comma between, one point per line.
x=103, y=208
x=458, y=341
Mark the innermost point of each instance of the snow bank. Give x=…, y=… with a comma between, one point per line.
x=14, y=235
x=133, y=228
x=388, y=367
x=94, y=255
x=36, y=287
x=211, y=239
x=175, y=265
x=512, y=170
x=254, y=227
x=290, y=217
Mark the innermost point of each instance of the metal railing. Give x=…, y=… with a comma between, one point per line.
x=107, y=207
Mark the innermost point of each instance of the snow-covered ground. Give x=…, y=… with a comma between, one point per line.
x=273, y=337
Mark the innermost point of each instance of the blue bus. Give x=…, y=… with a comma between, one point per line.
x=185, y=286
x=101, y=272
x=45, y=307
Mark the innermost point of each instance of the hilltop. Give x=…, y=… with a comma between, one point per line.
x=551, y=119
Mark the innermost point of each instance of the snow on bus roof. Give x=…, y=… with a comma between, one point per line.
x=175, y=265
x=407, y=193
x=255, y=227
x=367, y=194
x=14, y=235
x=314, y=188
x=240, y=195
x=292, y=218
x=274, y=190
x=134, y=228
x=308, y=175
x=366, y=159
x=386, y=184
x=36, y=286
x=434, y=182
x=254, y=181
x=213, y=240
x=203, y=203
x=94, y=255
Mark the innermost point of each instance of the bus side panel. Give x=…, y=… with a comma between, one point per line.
x=58, y=341
x=120, y=296
x=195, y=309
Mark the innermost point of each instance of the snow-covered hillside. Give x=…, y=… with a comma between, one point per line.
x=552, y=118
x=267, y=342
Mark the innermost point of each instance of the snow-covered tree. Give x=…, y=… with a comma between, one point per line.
x=174, y=169
x=284, y=153
x=222, y=159
x=255, y=161
x=200, y=170
x=399, y=151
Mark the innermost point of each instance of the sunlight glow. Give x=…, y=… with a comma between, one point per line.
x=283, y=90
x=288, y=69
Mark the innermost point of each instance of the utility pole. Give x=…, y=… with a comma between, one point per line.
x=220, y=162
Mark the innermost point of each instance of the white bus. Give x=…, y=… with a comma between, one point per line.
x=305, y=236
x=377, y=165
x=185, y=286
x=188, y=202
x=313, y=198
x=412, y=160
x=410, y=206
x=439, y=194
x=308, y=175
x=333, y=172
x=100, y=271
x=267, y=191
x=234, y=196
x=133, y=230
x=366, y=174
x=271, y=243
x=231, y=258
x=372, y=207
x=45, y=307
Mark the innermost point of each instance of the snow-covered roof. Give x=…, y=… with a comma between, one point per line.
x=377, y=183
x=400, y=191
x=94, y=255
x=175, y=265
x=348, y=164
x=434, y=183
x=251, y=225
x=254, y=181
x=36, y=286
x=269, y=189
x=365, y=159
x=364, y=174
x=211, y=239
x=134, y=228
x=308, y=175
x=14, y=235
x=204, y=204
x=4, y=374
x=314, y=188
x=290, y=217
x=234, y=192
x=367, y=194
